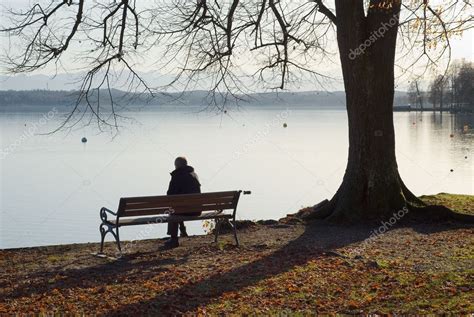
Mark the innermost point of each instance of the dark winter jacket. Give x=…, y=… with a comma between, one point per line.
x=184, y=181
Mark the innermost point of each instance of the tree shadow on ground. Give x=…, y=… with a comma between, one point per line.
x=428, y=228
x=106, y=273
x=318, y=239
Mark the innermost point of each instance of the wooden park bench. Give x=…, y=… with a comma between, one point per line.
x=149, y=210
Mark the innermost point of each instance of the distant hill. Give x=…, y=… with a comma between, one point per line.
x=66, y=81
x=14, y=99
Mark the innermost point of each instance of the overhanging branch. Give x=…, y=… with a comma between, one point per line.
x=325, y=10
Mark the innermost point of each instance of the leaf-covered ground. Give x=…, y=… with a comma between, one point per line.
x=419, y=268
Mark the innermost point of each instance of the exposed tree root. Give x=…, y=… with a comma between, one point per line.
x=418, y=211
x=437, y=213
x=361, y=199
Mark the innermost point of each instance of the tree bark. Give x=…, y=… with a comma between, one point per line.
x=372, y=188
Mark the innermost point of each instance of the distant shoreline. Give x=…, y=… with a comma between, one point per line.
x=173, y=107
x=336, y=99
x=448, y=109
x=22, y=101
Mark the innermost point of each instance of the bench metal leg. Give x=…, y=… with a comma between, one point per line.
x=102, y=237
x=117, y=238
x=216, y=229
x=104, y=232
x=234, y=226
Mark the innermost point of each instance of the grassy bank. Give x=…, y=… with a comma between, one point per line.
x=460, y=203
x=418, y=268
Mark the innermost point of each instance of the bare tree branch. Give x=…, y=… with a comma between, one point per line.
x=221, y=46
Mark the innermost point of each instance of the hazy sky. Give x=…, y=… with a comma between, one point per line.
x=462, y=48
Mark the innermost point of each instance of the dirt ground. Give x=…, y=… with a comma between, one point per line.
x=279, y=268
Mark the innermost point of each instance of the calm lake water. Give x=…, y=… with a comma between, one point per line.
x=53, y=186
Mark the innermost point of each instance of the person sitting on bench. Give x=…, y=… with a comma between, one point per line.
x=183, y=181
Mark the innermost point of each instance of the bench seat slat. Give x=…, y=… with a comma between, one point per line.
x=177, y=205
x=166, y=219
x=172, y=198
x=178, y=202
x=177, y=210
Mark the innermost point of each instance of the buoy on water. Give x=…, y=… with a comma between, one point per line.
x=84, y=140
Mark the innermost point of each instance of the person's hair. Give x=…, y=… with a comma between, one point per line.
x=181, y=161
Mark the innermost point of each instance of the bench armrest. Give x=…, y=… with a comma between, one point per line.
x=103, y=213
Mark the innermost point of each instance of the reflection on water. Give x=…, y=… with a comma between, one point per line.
x=53, y=186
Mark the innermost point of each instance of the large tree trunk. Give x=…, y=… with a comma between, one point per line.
x=371, y=188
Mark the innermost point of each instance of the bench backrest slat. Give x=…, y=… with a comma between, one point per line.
x=154, y=205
